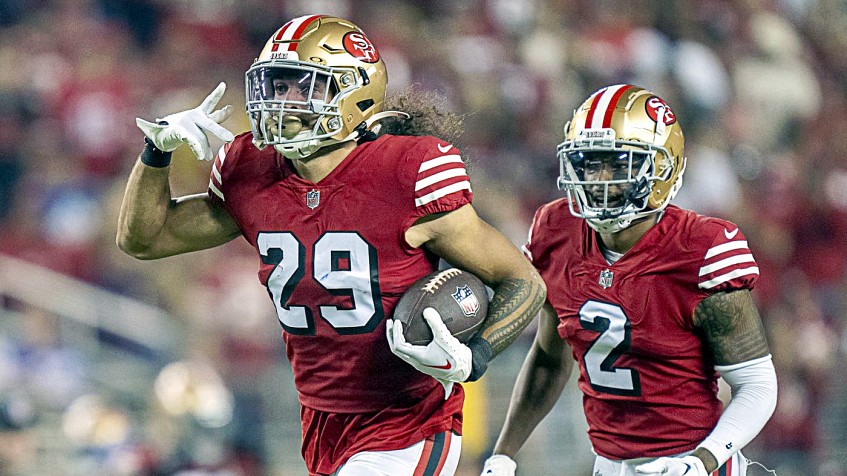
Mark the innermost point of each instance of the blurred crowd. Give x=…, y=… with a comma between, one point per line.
x=760, y=87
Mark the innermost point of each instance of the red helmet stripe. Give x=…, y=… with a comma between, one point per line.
x=300, y=28
x=291, y=32
x=278, y=36
x=592, y=108
x=279, y=33
x=603, y=105
x=607, y=118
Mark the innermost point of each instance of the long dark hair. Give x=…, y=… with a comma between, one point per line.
x=429, y=116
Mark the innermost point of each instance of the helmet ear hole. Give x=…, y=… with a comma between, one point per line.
x=365, y=105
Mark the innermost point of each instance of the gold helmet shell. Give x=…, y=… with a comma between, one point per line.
x=641, y=131
x=343, y=82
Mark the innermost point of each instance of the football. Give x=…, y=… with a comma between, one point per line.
x=459, y=296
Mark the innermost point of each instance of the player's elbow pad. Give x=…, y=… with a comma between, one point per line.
x=754, y=393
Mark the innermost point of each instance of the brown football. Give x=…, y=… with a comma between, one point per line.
x=459, y=296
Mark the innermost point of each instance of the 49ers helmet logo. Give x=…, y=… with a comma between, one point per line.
x=360, y=47
x=653, y=104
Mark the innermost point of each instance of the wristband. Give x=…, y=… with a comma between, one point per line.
x=481, y=354
x=151, y=156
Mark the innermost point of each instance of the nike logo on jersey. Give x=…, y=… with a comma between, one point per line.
x=730, y=234
x=444, y=148
x=688, y=466
x=446, y=366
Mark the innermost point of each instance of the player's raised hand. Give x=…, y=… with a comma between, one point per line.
x=499, y=465
x=190, y=127
x=445, y=358
x=686, y=465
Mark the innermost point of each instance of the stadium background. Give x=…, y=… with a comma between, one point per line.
x=114, y=366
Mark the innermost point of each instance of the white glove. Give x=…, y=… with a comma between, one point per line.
x=686, y=465
x=187, y=127
x=445, y=358
x=499, y=465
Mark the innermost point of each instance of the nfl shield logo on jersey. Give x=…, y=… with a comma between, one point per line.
x=467, y=300
x=606, y=279
x=313, y=198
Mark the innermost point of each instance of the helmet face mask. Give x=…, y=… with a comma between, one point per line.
x=294, y=106
x=316, y=82
x=621, y=159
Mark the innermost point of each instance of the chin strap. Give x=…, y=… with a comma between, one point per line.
x=369, y=124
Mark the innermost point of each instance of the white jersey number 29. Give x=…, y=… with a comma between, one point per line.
x=344, y=264
x=613, y=326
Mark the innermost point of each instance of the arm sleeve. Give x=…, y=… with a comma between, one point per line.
x=754, y=392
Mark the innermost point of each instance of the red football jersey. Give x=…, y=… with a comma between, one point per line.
x=335, y=261
x=648, y=382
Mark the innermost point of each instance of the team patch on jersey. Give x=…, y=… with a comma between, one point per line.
x=313, y=198
x=440, y=176
x=606, y=277
x=727, y=261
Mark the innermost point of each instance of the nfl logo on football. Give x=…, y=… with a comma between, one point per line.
x=313, y=198
x=606, y=279
x=467, y=300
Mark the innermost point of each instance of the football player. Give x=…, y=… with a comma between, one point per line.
x=652, y=301
x=343, y=221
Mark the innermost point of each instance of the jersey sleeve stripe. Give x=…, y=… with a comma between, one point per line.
x=726, y=263
x=223, y=150
x=732, y=245
x=216, y=190
x=435, y=162
x=441, y=192
x=216, y=180
x=440, y=176
x=728, y=276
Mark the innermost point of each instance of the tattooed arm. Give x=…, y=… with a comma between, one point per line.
x=736, y=338
x=512, y=308
x=466, y=241
x=732, y=327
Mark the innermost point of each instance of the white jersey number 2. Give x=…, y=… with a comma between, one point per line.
x=343, y=263
x=611, y=323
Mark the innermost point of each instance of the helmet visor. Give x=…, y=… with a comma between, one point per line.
x=292, y=102
x=290, y=87
x=606, y=177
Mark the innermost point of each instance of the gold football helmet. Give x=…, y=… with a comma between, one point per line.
x=317, y=82
x=622, y=157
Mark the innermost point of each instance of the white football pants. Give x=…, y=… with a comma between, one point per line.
x=736, y=466
x=437, y=455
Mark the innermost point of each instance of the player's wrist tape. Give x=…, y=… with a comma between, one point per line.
x=151, y=156
x=481, y=354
